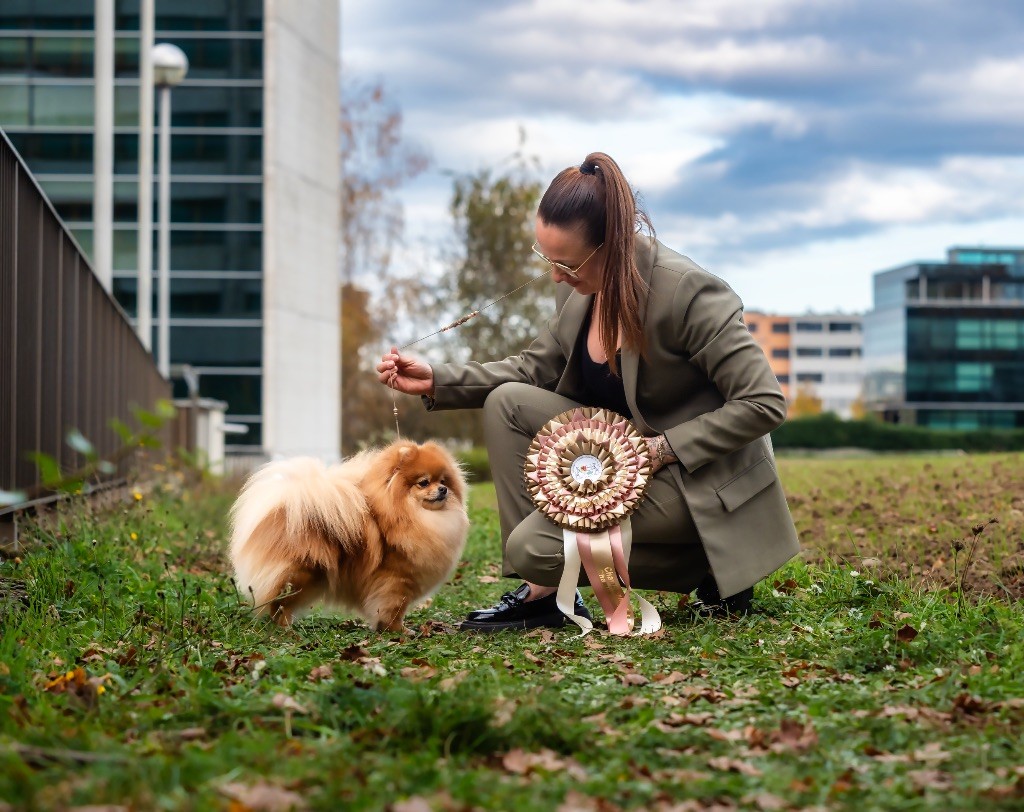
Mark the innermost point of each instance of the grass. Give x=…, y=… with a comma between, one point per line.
x=853, y=686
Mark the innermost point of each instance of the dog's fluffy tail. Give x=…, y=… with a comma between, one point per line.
x=291, y=514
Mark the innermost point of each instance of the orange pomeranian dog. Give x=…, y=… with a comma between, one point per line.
x=376, y=534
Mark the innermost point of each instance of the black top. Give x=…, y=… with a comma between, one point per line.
x=601, y=388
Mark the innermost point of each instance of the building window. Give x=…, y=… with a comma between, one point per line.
x=844, y=352
x=780, y=327
x=809, y=352
x=780, y=352
x=752, y=328
x=843, y=327
x=783, y=378
x=810, y=327
x=809, y=377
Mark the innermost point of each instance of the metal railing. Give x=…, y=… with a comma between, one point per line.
x=69, y=357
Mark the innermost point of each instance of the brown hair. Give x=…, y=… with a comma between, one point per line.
x=596, y=199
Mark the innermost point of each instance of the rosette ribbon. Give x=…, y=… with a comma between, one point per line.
x=586, y=471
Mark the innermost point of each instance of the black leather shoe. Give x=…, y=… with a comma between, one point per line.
x=513, y=611
x=710, y=603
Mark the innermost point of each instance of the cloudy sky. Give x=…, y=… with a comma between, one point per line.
x=793, y=147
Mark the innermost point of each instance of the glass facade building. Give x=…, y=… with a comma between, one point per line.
x=944, y=345
x=217, y=189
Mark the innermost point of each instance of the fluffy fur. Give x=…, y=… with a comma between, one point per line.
x=375, y=534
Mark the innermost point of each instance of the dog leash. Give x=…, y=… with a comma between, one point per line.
x=457, y=323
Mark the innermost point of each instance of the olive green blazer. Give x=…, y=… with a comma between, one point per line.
x=704, y=383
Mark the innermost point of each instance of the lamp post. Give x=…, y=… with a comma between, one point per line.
x=144, y=299
x=169, y=67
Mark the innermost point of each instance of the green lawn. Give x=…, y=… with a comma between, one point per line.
x=862, y=682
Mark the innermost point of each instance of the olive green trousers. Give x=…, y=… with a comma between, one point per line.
x=667, y=553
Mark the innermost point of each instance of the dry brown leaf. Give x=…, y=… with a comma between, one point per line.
x=321, y=672
x=931, y=779
x=487, y=579
x=670, y=679
x=734, y=765
x=932, y=751
x=681, y=719
x=632, y=678
x=263, y=797
x=450, y=682
x=766, y=802
x=968, y=704
x=418, y=673
x=793, y=735
x=906, y=633
x=414, y=804
x=519, y=762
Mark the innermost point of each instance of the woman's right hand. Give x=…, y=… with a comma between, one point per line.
x=406, y=374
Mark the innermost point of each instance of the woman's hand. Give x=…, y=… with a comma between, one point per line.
x=405, y=374
x=659, y=452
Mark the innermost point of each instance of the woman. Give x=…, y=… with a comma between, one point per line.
x=643, y=331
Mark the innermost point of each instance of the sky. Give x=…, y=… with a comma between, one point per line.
x=792, y=147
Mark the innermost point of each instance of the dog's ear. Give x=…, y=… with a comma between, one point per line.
x=405, y=453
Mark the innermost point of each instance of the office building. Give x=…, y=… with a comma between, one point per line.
x=944, y=344
x=820, y=355
x=254, y=195
x=773, y=334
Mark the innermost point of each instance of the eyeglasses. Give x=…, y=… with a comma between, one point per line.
x=573, y=272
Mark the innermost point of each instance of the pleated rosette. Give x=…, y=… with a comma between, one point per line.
x=587, y=470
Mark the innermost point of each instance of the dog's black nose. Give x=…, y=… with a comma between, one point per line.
x=442, y=491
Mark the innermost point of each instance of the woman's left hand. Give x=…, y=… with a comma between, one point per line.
x=659, y=452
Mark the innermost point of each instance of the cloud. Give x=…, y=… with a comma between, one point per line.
x=751, y=128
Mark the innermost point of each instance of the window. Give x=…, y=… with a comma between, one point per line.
x=241, y=392
x=752, y=328
x=844, y=352
x=809, y=377
x=843, y=327
x=237, y=248
x=780, y=327
x=783, y=378
x=810, y=327
x=780, y=352
x=199, y=298
x=809, y=352
x=212, y=345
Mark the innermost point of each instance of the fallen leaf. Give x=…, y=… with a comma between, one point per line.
x=670, y=679
x=734, y=765
x=632, y=678
x=931, y=779
x=968, y=705
x=766, y=802
x=675, y=720
x=320, y=673
x=519, y=762
x=906, y=633
x=488, y=579
x=263, y=797
x=418, y=673
x=285, y=702
x=793, y=735
x=450, y=682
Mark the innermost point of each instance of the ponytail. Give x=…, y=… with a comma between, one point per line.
x=596, y=199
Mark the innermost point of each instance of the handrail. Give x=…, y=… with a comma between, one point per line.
x=69, y=356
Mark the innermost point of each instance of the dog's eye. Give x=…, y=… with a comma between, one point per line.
x=423, y=482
